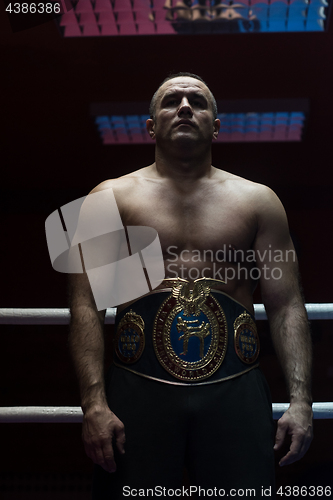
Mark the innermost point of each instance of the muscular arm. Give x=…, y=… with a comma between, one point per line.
x=288, y=323
x=86, y=342
x=293, y=350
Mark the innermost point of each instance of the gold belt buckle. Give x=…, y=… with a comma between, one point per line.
x=190, y=333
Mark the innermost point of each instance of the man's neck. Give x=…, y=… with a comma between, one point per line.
x=182, y=166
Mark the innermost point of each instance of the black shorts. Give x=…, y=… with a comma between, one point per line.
x=222, y=433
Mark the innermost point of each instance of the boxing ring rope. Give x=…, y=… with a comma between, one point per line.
x=12, y=316
x=66, y=414
x=73, y=415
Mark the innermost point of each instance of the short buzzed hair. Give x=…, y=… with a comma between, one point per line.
x=152, y=107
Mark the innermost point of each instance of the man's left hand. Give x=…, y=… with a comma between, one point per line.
x=297, y=422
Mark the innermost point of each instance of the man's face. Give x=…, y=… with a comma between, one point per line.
x=184, y=112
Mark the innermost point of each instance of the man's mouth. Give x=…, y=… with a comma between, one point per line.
x=185, y=122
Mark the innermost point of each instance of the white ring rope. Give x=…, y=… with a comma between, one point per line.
x=67, y=414
x=13, y=316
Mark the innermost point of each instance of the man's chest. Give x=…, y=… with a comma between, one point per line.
x=195, y=223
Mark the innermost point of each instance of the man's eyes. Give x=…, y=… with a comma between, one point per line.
x=198, y=103
x=194, y=102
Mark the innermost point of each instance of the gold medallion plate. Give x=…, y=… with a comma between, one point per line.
x=246, y=338
x=130, y=338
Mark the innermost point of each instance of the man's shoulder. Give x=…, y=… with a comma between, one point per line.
x=122, y=183
x=247, y=187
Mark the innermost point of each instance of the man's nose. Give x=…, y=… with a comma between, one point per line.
x=185, y=107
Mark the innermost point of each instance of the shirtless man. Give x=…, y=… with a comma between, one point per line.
x=195, y=207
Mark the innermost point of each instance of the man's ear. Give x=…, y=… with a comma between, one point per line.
x=216, y=126
x=150, y=126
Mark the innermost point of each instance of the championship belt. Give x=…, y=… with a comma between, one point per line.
x=190, y=332
x=194, y=334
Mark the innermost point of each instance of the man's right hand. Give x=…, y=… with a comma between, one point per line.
x=100, y=428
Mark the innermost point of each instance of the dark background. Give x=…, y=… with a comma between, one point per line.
x=52, y=154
